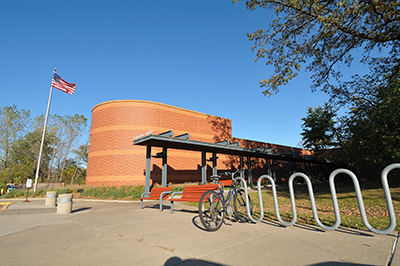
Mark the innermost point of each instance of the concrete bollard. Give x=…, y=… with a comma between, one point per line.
x=51, y=199
x=64, y=203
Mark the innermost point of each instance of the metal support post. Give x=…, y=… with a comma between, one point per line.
x=241, y=167
x=164, y=168
x=214, y=171
x=249, y=172
x=203, y=168
x=213, y=159
x=148, y=165
x=274, y=170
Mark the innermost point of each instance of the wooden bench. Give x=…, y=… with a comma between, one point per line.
x=191, y=194
x=157, y=193
x=226, y=183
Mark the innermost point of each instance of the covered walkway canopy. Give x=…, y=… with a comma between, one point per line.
x=166, y=141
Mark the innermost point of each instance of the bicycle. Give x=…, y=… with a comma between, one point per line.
x=213, y=205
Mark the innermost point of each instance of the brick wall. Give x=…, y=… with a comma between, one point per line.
x=114, y=160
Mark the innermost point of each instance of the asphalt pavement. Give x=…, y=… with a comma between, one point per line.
x=120, y=233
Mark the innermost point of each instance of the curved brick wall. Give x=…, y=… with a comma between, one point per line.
x=114, y=160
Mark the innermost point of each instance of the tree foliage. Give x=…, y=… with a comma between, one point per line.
x=12, y=125
x=82, y=153
x=374, y=127
x=20, y=140
x=323, y=34
x=72, y=128
x=319, y=128
x=25, y=152
x=72, y=173
x=368, y=135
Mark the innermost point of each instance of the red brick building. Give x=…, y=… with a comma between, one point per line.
x=114, y=160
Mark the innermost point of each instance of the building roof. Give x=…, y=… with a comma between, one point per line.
x=182, y=142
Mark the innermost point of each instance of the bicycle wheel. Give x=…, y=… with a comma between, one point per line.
x=210, y=210
x=239, y=204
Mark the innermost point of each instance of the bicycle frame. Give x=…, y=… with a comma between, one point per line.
x=226, y=201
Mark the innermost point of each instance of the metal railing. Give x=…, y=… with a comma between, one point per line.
x=356, y=184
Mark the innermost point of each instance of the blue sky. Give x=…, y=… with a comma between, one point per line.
x=190, y=54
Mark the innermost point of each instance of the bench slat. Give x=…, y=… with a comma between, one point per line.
x=192, y=194
x=155, y=194
x=226, y=183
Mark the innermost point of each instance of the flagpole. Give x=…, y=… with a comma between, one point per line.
x=44, y=133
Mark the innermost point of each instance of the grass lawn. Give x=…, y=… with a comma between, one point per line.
x=374, y=202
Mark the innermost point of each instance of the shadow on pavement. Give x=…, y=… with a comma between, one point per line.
x=80, y=209
x=196, y=221
x=314, y=228
x=168, y=208
x=272, y=223
x=155, y=206
x=310, y=228
x=353, y=232
x=178, y=261
x=335, y=263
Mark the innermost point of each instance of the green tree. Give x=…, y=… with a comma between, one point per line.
x=81, y=157
x=368, y=135
x=73, y=173
x=56, y=126
x=20, y=139
x=319, y=128
x=322, y=34
x=374, y=127
x=25, y=152
x=12, y=126
x=74, y=126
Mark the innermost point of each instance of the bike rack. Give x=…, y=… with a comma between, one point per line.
x=356, y=184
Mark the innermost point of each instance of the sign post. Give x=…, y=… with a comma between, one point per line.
x=28, y=185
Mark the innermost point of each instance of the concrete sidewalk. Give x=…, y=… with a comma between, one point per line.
x=111, y=233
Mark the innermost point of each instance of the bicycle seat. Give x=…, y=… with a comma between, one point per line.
x=214, y=177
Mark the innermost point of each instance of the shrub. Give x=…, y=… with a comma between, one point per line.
x=64, y=191
x=13, y=194
x=123, y=192
x=38, y=193
x=136, y=192
x=89, y=192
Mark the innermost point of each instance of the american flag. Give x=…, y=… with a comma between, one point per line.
x=58, y=83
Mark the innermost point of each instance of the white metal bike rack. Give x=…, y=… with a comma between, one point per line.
x=356, y=184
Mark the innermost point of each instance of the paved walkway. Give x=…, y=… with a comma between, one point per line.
x=112, y=233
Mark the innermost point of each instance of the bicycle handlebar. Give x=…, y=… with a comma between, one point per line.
x=232, y=174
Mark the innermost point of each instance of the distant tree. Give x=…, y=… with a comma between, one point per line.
x=319, y=128
x=323, y=34
x=25, y=152
x=73, y=173
x=57, y=127
x=374, y=127
x=368, y=135
x=12, y=126
x=81, y=156
x=74, y=127
x=20, y=139
x=82, y=153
